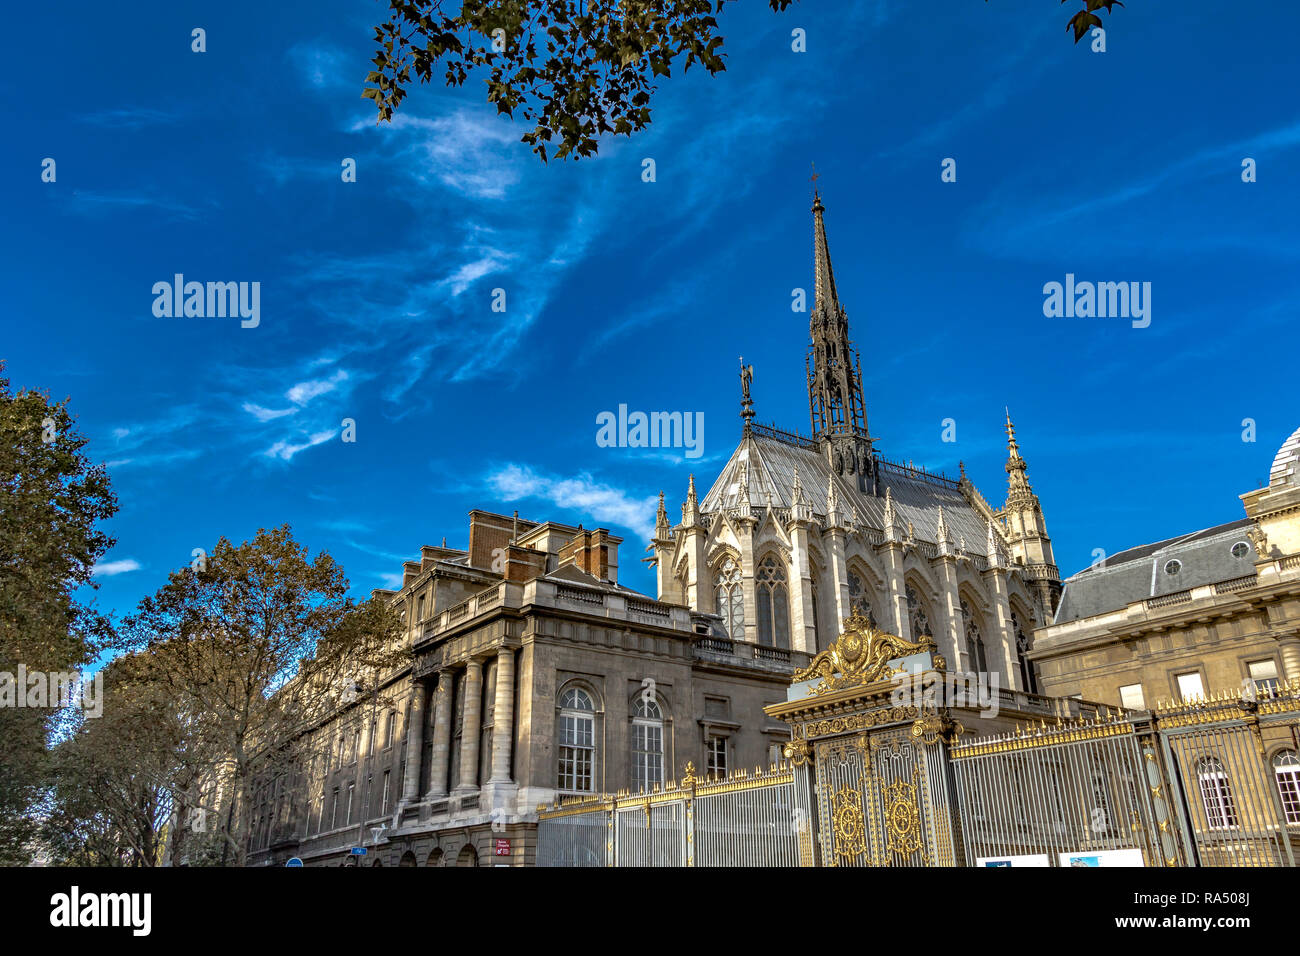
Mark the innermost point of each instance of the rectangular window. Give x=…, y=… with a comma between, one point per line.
x=647, y=755
x=334, y=812
x=577, y=748
x=370, y=740
x=1190, y=686
x=1131, y=697
x=775, y=753
x=388, y=781
x=388, y=728
x=351, y=788
x=1287, y=769
x=716, y=763
x=356, y=744
x=419, y=613
x=1264, y=674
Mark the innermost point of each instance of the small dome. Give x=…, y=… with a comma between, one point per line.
x=1286, y=466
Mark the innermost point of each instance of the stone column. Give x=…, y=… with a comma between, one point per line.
x=952, y=616
x=1290, y=652
x=895, y=613
x=503, y=716
x=470, y=726
x=839, y=581
x=441, y=736
x=803, y=635
x=414, y=744
x=997, y=579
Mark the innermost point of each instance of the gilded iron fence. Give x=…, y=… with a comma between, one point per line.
x=1230, y=793
x=1085, y=793
x=749, y=818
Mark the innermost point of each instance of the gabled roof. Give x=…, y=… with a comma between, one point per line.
x=770, y=464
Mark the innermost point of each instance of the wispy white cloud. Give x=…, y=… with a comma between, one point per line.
x=602, y=503
x=285, y=450
x=108, y=569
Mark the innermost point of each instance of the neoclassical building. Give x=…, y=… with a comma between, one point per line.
x=534, y=675
x=1213, y=611
x=796, y=531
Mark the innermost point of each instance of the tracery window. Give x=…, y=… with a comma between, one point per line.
x=916, y=617
x=1028, y=669
x=1286, y=768
x=858, y=598
x=577, y=742
x=730, y=599
x=773, y=604
x=1216, y=794
x=647, y=744
x=974, y=641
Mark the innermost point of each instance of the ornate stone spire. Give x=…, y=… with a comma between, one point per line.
x=1019, y=494
x=661, y=519
x=833, y=517
x=691, y=510
x=835, y=397
x=941, y=534
x=992, y=551
x=891, y=532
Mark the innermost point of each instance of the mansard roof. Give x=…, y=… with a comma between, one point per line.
x=771, y=462
x=1204, y=557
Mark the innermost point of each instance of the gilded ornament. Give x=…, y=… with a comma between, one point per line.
x=861, y=656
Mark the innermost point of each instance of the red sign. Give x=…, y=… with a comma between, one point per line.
x=503, y=848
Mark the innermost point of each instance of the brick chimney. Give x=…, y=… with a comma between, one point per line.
x=595, y=552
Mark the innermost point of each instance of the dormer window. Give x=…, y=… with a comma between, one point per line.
x=1173, y=567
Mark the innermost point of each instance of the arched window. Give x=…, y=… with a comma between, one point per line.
x=577, y=742
x=730, y=599
x=647, y=744
x=919, y=623
x=1028, y=670
x=1216, y=794
x=1287, y=768
x=974, y=641
x=859, y=600
x=773, y=604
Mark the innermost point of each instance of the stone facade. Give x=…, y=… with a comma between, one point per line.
x=535, y=675
x=1217, y=610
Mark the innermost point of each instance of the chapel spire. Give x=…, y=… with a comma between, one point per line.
x=835, y=395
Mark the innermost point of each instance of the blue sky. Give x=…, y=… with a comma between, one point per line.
x=376, y=295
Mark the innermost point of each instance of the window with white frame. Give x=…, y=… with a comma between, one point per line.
x=1132, y=698
x=334, y=811
x=647, y=744
x=730, y=598
x=351, y=793
x=1216, y=794
x=773, y=603
x=1286, y=768
x=1264, y=675
x=1189, y=686
x=577, y=742
x=716, y=756
x=388, y=792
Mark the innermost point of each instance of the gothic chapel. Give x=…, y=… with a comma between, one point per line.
x=796, y=532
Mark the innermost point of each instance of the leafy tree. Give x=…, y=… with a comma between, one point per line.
x=574, y=69
x=259, y=643
x=52, y=501
x=115, y=778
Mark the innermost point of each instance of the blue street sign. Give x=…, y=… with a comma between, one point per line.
x=358, y=851
x=293, y=861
